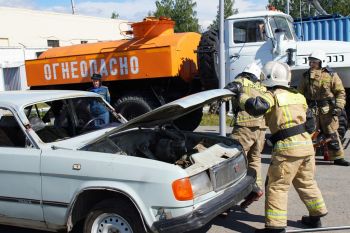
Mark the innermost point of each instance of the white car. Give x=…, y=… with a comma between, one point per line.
x=62, y=165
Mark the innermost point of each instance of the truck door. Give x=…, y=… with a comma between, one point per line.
x=289, y=40
x=247, y=41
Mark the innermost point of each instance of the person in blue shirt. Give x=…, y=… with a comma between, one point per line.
x=98, y=110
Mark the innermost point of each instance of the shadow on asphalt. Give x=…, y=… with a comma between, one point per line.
x=239, y=220
x=233, y=222
x=6, y=229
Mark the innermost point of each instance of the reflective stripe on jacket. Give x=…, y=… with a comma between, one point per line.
x=287, y=108
x=252, y=89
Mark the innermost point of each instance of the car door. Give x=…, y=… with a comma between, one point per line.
x=247, y=41
x=20, y=180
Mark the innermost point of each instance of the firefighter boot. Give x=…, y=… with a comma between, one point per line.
x=311, y=221
x=341, y=162
x=253, y=196
x=271, y=230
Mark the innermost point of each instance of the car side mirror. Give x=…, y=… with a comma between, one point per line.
x=279, y=36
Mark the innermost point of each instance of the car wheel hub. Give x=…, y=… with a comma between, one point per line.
x=110, y=223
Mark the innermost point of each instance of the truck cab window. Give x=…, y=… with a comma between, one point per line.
x=284, y=24
x=249, y=31
x=11, y=134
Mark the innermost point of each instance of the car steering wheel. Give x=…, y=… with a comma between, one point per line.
x=95, y=119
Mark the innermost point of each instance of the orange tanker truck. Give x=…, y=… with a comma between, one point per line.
x=152, y=68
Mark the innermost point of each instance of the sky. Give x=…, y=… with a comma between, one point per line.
x=131, y=10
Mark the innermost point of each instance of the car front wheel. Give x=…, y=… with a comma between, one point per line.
x=113, y=216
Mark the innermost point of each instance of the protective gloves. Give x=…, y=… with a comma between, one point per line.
x=235, y=87
x=336, y=111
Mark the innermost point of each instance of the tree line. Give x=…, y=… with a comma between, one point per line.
x=185, y=16
x=304, y=8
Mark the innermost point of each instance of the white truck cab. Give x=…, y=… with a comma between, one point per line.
x=263, y=36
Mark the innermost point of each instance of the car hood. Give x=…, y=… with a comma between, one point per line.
x=171, y=111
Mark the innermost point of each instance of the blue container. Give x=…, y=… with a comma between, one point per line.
x=332, y=27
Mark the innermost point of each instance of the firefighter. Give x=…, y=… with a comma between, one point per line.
x=325, y=94
x=97, y=109
x=250, y=130
x=293, y=160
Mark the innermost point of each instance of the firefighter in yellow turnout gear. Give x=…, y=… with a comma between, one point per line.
x=250, y=130
x=326, y=95
x=293, y=160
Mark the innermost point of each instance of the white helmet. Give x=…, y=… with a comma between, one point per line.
x=254, y=69
x=276, y=74
x=319, y=55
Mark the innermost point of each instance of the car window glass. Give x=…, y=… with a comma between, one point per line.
x=11, y=134
x=62, y=119
x=50, y=120
x=249, y=31
x=91, y=113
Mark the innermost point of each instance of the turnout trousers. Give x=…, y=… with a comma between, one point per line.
x=284, y=171
x=329, y=125
x=252, y=139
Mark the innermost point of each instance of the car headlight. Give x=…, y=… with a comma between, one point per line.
x=201, y=184
x=188, y=188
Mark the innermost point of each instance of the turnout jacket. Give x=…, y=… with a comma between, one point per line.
x=252, y=89
x=322, y=84
x=283, y=108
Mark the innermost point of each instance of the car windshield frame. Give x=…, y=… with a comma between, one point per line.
x=61, y=119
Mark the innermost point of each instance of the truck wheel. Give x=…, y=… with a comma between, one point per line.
x=133, y=106
x=190, y=121
x=207, y=56
x=343, y=124
x=113, y=215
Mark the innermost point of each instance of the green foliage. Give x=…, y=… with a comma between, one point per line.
x=181, y=11
x=228, y=11
x=213, y=120
x=330, y=6
x=114, y=15
x=336, y=6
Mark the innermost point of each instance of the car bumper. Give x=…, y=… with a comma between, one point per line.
x=206, y=212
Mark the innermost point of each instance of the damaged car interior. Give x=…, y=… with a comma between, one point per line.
x=61, y=119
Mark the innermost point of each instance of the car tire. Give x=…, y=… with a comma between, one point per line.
x=113, y=214
x=207, y=55
x=190, y=121
x=130, y=106
x=343, y=124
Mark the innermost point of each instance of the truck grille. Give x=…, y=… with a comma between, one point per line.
x=228, y=172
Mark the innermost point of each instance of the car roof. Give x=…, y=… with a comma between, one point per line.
x=19, y=99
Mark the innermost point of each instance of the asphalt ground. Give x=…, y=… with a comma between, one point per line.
x=334, y=182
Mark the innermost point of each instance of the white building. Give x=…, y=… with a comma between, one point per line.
x=25, y=33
